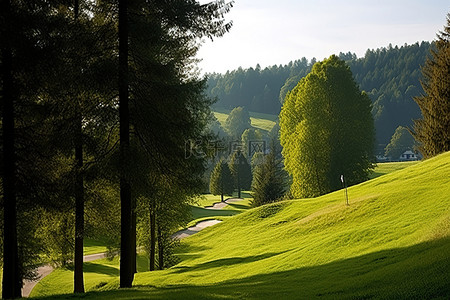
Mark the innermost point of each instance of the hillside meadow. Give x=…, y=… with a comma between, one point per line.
x=392, y=241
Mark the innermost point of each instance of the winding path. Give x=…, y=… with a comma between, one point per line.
x=47, y=269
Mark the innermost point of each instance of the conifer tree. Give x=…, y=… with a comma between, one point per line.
x=269, y=179
x=221, y=182
x=241, y=171
x=433, y=131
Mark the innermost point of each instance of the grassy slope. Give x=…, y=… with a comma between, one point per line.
x=393, y=241
x=389, y=167
x=259, y=120
x=92, y=247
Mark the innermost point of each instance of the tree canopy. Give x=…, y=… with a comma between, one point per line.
x=390, y=76
x=326, y=130
x=237, y=121
x=433, y=130
x=401, y=141
x=241, y=171
x=221, y=182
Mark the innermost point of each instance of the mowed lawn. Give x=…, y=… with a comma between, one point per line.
x=392, y=241
x=389, y=167
x=258, y=120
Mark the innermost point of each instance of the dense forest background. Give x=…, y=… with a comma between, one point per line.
x=390, y=76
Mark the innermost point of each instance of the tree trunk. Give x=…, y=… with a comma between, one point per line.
x=126, y=251
x=79, y=211
x=160, y=249
x=239, y=182
x=78, y=282
x=12, y=279
x=152, y=237
x=133, y=236
x=221, y=188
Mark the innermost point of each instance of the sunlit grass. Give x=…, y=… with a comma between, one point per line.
x=389, y=167
x=258, y=120
x=93, y=246
x=392, y=241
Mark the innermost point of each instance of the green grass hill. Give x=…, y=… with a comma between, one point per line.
x=391, y=242
x=258, y=120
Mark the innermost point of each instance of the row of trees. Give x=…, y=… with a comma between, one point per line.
x=390, y=76
x=97, y=101
x=264, y=176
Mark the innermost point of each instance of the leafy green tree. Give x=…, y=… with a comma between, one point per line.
x=250, y=135
x=401, y=141
x=269, y=179
x=221, y=182
x=241, y=171
x=433, y=130
x=237, y=121
x=326, y=130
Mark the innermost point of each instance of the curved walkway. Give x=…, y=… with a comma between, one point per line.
x=220, y=205
x=47, y=269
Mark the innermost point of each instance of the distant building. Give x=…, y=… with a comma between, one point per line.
x=408, y=156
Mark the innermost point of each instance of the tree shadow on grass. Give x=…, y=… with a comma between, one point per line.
x=223, y=262
x=100, y=269
x=239, y=206
x=199, y=212
x=416, y=272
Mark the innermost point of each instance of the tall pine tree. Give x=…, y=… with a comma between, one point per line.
x=433, y=130
x=241, y=171
x=221, y=182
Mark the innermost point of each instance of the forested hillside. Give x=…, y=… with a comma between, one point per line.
x=391, y=77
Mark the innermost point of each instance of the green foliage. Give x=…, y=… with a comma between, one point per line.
x=269, y=180
x=388, y=244
x=433, y=130
x=248, y=136
x=401, y=141
x=389, y=75
x=241, y=171
x=237, y=121
x=326, y=130
x=221, y=182
x=257, y=160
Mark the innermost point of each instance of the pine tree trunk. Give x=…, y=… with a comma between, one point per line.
x=12, y=279
x=133, y=236
x=239, y=183
x=79, y=210
x=126, y=251
x=78, y=280
x=152, y=237
x=160, y=249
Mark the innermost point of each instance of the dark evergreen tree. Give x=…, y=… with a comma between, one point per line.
x=241, y=172
x=12, y=279
x=433, y=131
x=221, y=182
x=269, y=179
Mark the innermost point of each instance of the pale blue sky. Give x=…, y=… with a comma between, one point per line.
x=272, y=32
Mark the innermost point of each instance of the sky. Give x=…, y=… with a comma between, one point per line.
x=269, y=32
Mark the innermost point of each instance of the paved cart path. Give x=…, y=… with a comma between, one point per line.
x=47, y=269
